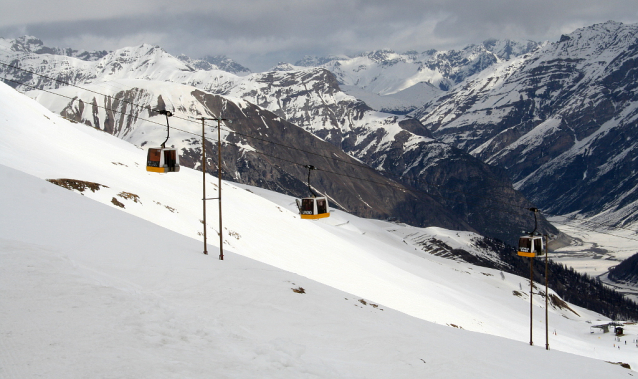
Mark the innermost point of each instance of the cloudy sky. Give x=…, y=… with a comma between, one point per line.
x=260, y=33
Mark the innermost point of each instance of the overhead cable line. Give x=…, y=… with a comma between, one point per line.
x=73, y=99
x=175, y=116
x=363, y=165
x=403, y=188
x=397, y=186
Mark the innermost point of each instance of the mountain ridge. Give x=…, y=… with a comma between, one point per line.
x=540, y=118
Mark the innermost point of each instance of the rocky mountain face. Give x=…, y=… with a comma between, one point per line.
x=561, y=121
x=471, y=192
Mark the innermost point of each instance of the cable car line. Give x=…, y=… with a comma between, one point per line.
x=403, y=188
x=247, y=136
x=185, y=119
x=177, y=117
x=75, y=98
x=238, y=133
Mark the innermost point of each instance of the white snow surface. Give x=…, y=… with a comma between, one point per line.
x=89, y=289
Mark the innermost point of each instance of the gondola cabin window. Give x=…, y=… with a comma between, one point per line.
x=154, y=157
x=321, y=206
x=170, y=158
x=313, y=207
x=307, y=206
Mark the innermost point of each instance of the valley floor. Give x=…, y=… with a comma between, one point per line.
x=594, y=250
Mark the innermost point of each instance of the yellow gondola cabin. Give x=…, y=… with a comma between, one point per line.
x=531, y=246
x=312, y=208
x=162, y=160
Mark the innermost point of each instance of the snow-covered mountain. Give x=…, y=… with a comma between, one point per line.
x=310, y=98
x=385, y=72
x=218, y=62
x=91, y=290
x=33, y=45
x=30, y=44
x=402, y=82
x=562, y=122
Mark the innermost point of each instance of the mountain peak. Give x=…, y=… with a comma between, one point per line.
x=226, y=64
x=609, y=30
x=31, y=44
x=283, y=66
x=314, y=61
x=27, y=44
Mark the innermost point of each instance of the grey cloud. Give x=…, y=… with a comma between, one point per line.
x=264, y=32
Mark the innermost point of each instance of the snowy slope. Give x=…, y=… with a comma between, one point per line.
x=110, y=269
x=79, y=303
x=119, y=165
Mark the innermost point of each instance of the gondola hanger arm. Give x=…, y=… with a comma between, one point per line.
x=167, y=114
x=310, y=168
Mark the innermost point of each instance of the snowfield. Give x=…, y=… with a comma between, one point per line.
x=91, y=289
